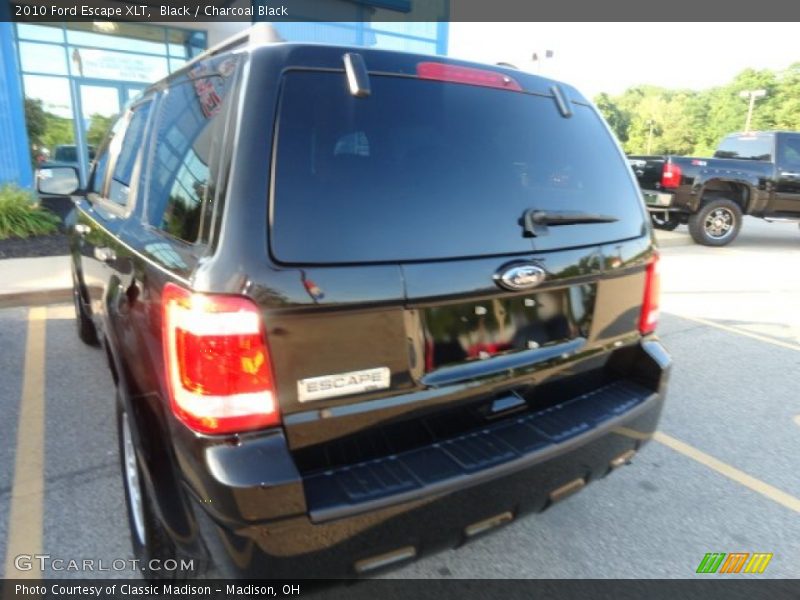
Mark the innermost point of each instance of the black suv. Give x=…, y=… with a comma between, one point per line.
x=361, y=305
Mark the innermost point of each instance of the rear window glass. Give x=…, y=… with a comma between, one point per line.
x=745, y=147
x=430, y=170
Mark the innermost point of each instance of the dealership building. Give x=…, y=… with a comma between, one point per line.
x=72, y=78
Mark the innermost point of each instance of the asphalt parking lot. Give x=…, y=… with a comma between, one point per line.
x=720, y=476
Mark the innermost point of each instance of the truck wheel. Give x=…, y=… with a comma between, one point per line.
x=717, y=223
x=667, y=224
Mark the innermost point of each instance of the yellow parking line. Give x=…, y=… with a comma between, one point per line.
x=633, y=434
x=732, y=473
x=717, y=465
x=755, y=336
x=27, y=493
x=797, y=419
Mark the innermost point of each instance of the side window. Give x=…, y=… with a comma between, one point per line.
x=790, y=156
x=745, y=147
x=188, y=136
x=120, y=184
x=99, y=172
x=100, y=168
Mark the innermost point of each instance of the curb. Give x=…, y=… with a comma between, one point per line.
x=35, y=281
x=37, y=298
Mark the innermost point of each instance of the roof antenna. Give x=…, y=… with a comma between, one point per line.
x=357, y=76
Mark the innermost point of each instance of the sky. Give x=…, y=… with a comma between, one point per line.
x=610, y=57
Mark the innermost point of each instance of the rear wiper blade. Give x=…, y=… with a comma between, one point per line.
x=534, y=221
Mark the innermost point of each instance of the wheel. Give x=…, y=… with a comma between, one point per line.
x=86, y=329
x=667, y=224
x=149, y=538
x=717, y=223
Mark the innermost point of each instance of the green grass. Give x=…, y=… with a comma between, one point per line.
x=21, y=216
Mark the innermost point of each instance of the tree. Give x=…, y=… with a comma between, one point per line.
x=45, y=130
x=98, y=127
x=787, y=99
x=691, y=122
x=36, y=123
x=58, y=130
x=618, y=119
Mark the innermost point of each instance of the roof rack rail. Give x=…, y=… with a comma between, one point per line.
x=260, y=33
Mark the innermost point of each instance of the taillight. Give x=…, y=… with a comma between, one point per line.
x=468, y=75
x=219, y=371
x=648, y=319
x=670, y=175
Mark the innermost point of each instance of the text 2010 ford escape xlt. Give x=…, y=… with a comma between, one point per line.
x=362, y=305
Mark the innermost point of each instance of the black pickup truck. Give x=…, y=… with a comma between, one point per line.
x=756, y=173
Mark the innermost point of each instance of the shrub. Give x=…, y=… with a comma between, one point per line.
x=21, y=216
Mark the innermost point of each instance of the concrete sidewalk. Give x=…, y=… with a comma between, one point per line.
x=27, y=281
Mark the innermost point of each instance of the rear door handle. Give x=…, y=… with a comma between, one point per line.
x=105, y=255
x=82, y=229
x=790, y=174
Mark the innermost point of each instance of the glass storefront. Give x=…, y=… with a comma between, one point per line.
x=77, y=76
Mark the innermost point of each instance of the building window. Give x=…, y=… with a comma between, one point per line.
x=120, y=58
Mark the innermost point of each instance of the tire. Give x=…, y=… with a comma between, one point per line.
x=669, y=224
x=717, y=223
x=149, y=538
x=83, y=321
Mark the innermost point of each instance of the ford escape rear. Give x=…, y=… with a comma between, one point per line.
x=362, y=305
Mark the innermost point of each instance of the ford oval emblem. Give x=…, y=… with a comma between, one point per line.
x=519, y=276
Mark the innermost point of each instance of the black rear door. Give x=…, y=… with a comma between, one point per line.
x=399, y=209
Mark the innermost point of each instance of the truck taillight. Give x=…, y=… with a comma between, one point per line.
x=648, y=319
x=670, y=175
x=219, y=371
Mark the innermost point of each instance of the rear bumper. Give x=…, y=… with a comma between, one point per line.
x=659, y=201
x=343, y=522
x=474, y=458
